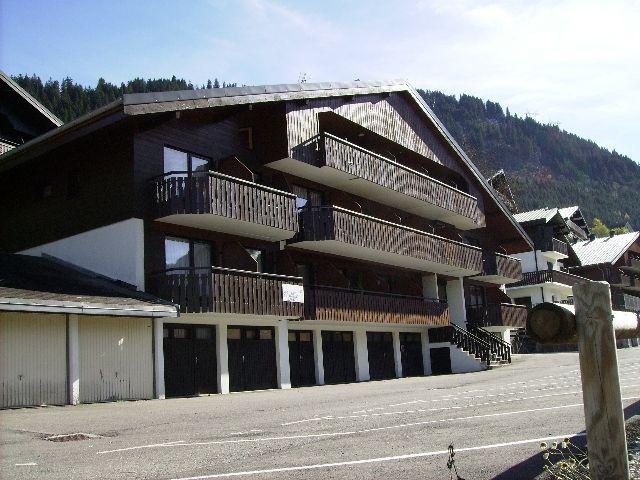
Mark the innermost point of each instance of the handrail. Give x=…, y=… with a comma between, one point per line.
x=498, y=346
x=371, y=292
x=504, y=255
x=211, y=173
x=386, y=222
x=189, y=270
x=394, y=163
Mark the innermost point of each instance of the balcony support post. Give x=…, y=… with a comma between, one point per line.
x=397, y=353
x=426, y=354
x=222, y=358
x=455, y=299
x=158, y=357
x=362, y=355
x=282, y=354
x=430, y=285
x=318, y=357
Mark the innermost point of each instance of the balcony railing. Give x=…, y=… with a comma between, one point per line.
x=499, y=268
x=497, y=315
x=633, y=262
x=228, y=201
x=225, y=290
x=548, y=276
x=555, y=245
x=340, y=304
x=628, y=302
x=362, y=172
x=344, y=232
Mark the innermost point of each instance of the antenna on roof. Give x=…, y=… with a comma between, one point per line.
x=302, y=78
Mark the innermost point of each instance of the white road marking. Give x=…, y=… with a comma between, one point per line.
x=29, y=464
x=377, y=460
x=246, y=433
x=350, y=432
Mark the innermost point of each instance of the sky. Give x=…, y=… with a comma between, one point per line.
x=571, y=63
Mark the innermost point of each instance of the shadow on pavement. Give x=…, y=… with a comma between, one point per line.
x=533, y=466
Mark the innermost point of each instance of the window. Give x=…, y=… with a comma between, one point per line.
x=549, y=265
x=258, y=256
x=182, y=162
x=307, y=197
x=180, y=253
x=526, y=301
x=476, y=296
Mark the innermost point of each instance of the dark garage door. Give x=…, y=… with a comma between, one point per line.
x=252, y=358
x=190, y=365
x=411, y=353
x=338, y=357
x=440, y=360
x=381, y=362
x=303, y=370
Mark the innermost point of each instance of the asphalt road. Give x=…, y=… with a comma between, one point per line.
x=388, y=429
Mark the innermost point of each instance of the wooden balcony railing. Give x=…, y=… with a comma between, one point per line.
x=497, y=315
x=213, y=193
x=501, y=265
x=225, y=290
x=346, y=226
x=548, y=276
x=340, y=304
x=627, y=302
x=633, y=261
x=329, y=150
x=463, y=339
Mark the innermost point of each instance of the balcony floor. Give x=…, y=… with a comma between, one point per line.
x=342, y=249
x=495, y=279
x=231, y=226
x=359, y=186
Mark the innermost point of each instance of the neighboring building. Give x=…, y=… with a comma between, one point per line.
x=614, y=259
x=310, y=234
x=68, y=335
x=544, y=277
x=22, y=117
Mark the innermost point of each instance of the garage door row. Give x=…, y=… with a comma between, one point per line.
x=191, y=360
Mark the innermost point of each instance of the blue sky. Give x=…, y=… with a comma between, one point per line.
x=571, y=62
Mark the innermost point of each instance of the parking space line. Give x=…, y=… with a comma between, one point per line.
x=408, y=456
x=350, y=432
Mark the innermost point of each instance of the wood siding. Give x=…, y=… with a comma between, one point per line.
x=223, y=290
x=226, y=196
x=501, y=265
x=33, y=359
x=498, y=315
x=339, y=304
x=334, y=223
x=116, y=358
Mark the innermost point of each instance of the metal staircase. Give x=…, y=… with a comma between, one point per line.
x=500, y=350
x=465, y=340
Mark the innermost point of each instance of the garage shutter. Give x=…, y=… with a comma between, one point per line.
x=116, y=358
x=33, y=359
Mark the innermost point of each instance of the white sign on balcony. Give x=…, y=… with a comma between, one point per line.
x=292, y=293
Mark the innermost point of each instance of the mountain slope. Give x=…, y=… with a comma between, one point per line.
x=546, y=166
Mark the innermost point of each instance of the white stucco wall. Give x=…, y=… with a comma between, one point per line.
x=462, y=362
x=529, y=261
x=116, y=251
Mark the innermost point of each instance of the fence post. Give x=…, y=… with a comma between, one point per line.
x=603, y=411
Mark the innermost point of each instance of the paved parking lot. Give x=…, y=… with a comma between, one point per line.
x=387, y=429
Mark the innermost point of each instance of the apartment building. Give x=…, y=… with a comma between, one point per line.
x=309, y=233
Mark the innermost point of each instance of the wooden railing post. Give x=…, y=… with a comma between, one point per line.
x=603, y=411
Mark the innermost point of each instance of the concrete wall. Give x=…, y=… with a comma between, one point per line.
x=529, y=261
x=116, y=251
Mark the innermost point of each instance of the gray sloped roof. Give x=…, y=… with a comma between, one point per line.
x=37, y=283
x=545, y=214
x=604, y=250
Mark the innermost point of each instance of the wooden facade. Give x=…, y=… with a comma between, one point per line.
x=498, y=315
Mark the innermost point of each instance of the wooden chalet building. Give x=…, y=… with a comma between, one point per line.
x=22, y=117
x=310, y=233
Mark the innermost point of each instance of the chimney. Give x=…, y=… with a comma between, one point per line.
x=612, y=234
x=592, y=236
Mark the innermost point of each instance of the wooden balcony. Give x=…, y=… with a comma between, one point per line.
x=329, y=160
x=627, y=302
x=498, y=315
x=633, y=263
x=499, y=269
x=342, y=232
x=622, y=280
x=224, y=290
x=217, y=202
x=342, y=305
x=548, y=276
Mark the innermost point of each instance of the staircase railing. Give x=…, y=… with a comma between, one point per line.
x=499, y=348
x=463, y=339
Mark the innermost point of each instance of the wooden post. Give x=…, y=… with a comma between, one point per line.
x=603, y=411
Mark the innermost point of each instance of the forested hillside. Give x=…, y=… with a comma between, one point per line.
x=545, y=165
